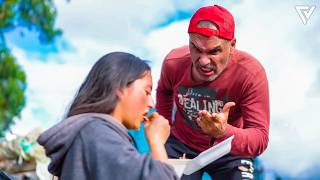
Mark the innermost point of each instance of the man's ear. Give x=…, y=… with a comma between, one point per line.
x=233, y=42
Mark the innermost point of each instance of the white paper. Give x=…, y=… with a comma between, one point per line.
x=179, y=165
x=208, y=156
x=189, y=166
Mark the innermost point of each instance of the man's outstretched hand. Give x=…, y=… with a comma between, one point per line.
x=214, y=124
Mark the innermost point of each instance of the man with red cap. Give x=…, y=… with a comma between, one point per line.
x=210, y=91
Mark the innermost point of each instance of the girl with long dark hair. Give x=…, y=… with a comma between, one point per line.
x=93, y=141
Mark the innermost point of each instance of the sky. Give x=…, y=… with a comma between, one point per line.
x=272, y=31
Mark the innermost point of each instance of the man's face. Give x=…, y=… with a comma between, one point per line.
x=209, y=56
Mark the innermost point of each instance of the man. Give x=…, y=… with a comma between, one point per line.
x=210, y=91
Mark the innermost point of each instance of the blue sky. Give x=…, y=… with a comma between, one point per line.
x=270, y=30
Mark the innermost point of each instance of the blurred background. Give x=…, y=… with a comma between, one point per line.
x=47, y=48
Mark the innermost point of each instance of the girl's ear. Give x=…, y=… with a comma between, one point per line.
x=119, y=93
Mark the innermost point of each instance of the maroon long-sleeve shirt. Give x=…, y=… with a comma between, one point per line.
x=244, y=82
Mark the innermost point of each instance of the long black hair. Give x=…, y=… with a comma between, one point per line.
x=111, y=72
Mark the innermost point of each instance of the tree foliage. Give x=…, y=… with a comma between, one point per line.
x=12, y=87
x=36, y=15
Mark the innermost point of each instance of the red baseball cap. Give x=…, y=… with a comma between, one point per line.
x=219, y=16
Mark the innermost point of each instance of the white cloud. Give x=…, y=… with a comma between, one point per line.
x=50, y=88
x=117, y=21
x=160, y=42
x=271, y=32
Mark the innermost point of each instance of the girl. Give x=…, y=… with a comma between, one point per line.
x=93, y=141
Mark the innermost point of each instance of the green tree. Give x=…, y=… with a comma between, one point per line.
x=33, y=14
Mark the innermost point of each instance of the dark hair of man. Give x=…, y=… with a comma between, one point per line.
x=110, y=73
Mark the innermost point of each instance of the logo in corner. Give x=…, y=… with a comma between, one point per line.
x=305, y=12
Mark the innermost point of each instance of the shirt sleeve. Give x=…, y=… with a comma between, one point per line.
x=164, y=94
x=108, y=155
x=252, y=139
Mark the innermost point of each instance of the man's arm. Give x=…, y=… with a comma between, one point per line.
x=164, y=99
